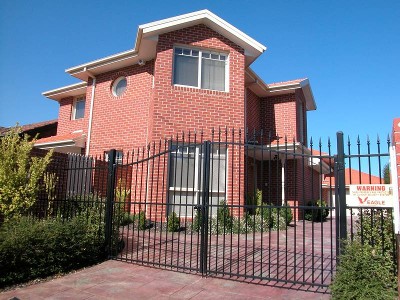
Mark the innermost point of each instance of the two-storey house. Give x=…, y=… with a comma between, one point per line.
x=190, y=72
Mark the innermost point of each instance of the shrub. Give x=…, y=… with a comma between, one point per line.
x=142, y=223
x=363, y=273
x=197, y=220
x=126, y=218
x=19, y=174
x=173, y=223
x=224, y=218
x=223, y=214
x=30, y=248
x=317, y=211
x=286, y=213
x=254, y=202
x=375, y=227
x=277, y=217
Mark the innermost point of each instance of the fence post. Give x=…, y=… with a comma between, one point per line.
x=110, y=200
x=205, y=207
x=341, y=189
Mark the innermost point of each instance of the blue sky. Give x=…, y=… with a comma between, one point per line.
x=348, y=49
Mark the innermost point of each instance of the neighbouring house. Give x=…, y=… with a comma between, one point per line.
x=40, y=130
x=188, y=72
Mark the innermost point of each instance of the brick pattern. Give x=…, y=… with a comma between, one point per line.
x=178, y=109
x=279, y=116
x=65, y=123
x=121, y=122
x=253, y=111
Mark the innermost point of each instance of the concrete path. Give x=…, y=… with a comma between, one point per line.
x=121, y=280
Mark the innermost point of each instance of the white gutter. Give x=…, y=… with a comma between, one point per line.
x=90, y=112
x=55, y=143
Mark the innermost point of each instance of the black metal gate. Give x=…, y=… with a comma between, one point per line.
x=241, y=206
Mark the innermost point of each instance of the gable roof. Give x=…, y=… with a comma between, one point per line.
x=147, y=37
x=262, y=89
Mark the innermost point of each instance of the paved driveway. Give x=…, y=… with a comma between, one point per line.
x=121, y=280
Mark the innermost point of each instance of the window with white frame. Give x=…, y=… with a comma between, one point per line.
x=119, y=86
x=186, y=173
x=201, y=69
x=78, y=110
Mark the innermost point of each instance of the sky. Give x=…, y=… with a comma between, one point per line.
x=349, y=50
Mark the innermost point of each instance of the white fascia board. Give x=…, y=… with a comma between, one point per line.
x=102, y=61
x=196, y=17
x=56, y=144
x=308, y=95
x=251, y=46
x=304, y=85
x=65, y=91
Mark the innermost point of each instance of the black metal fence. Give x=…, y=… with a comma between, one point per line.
x=228, y=203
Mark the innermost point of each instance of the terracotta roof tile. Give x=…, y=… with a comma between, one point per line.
x=60, y=138
x=353, y=177
x=37, y=125
x=27, y=127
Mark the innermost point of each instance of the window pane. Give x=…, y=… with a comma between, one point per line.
x=79, y=109
x=214, y=56
x=120, y=87
x=186, y=70
x=213, y=75
x=182, y=169
x=183, y=203
x=217, y=169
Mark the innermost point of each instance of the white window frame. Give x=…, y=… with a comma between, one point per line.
x=115, y=83
x=196, y=189
x=201, y=51
x=76, y=101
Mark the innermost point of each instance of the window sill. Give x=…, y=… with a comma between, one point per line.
x=198, y=90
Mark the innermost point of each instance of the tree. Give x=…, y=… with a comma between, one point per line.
x=386, y=174
x=19, y=173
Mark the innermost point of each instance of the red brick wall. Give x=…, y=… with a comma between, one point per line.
x=121, y=122
x=253, y=110
x=278, y=116
x=178, y=109
x=65, y=124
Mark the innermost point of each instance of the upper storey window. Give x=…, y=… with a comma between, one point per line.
x=200, y=69
x=119, y=86
x=78, y=111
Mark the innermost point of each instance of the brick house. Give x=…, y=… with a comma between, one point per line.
x=184, y=73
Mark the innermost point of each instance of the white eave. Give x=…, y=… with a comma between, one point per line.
x=288, y=151
x=262, y=89
x=147, y=36
x=66, y=91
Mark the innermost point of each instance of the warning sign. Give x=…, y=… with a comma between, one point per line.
x=370, y=195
